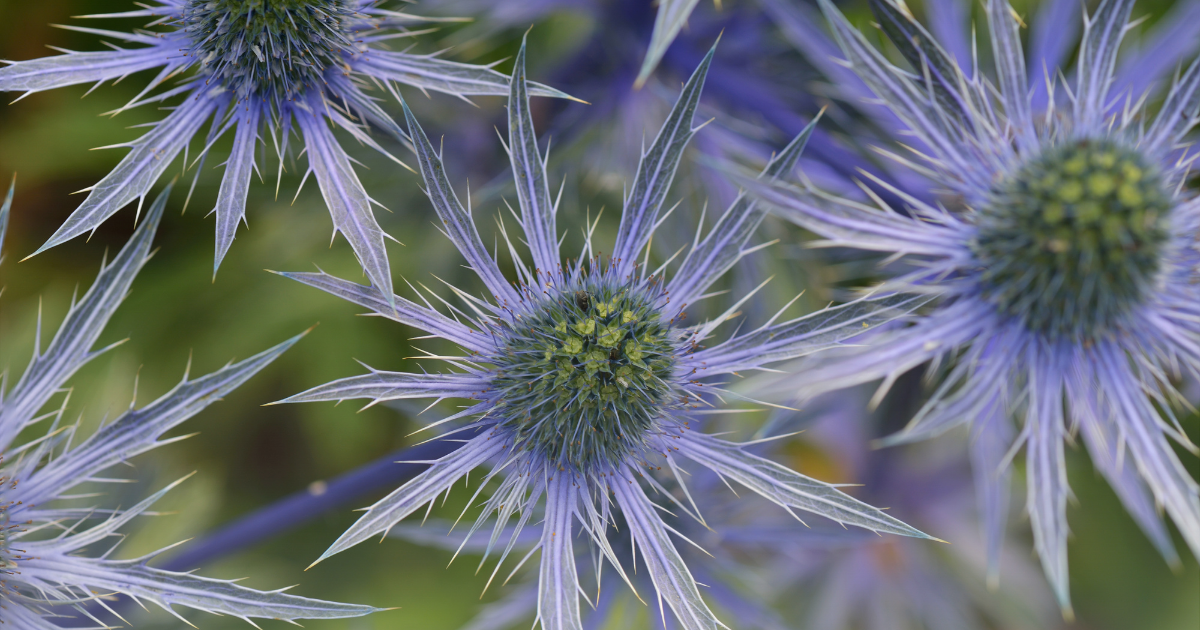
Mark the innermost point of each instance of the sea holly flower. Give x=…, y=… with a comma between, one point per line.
x=569, y=410
x=255, y=66
x=54, y=550
x=1064, y=259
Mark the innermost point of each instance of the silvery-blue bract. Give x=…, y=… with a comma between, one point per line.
x=771, y=572
x=282, y=67
x=54, y=550
x=583, y=376
x=1059, y=234
x=735, y=556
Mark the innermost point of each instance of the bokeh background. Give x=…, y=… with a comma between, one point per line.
x=248, y=455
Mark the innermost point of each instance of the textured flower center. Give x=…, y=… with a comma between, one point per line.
x=584, y=379
x=268, y=48
x=1072, y=241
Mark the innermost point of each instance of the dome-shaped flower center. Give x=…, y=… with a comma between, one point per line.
x=268, y=48
x=584, y=379
x=1072, y=240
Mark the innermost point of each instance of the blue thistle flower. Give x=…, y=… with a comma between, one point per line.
x=280, y=66
x=1063, y=254
x=50, y=567
x=583, y=375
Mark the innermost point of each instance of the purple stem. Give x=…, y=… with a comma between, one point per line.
x=291, y=512
x=305, y=505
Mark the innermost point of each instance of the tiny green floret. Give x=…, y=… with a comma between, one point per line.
x=1073, y=239
x=583, y=379
x=269, y=48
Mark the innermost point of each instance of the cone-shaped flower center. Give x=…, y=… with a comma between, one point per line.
x=584, y=378
x=268, y=48
x=1072, y=240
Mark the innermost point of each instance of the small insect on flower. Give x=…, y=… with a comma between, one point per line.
x=1066, y=272
x=55, y=559
x=583, y=374
x=279, y=65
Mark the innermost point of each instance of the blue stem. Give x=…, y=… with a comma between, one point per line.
x=302, y=507
x=289, y=513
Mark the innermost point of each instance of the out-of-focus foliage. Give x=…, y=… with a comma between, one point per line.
x=248, y=455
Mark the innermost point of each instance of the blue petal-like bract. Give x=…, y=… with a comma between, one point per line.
x=49, y=577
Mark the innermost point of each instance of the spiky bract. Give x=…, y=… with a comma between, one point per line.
x=1056, y=228
x=581, y=348
x=584, y=375
x=281, y=67
x=273, y=49
x=1071, y=241
x=58, y=556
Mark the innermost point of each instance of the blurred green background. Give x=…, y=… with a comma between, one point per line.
x=249, y=455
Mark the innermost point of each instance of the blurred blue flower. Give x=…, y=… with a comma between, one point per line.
x=835, y=581
x=582, y=377
x=668, y=20
x=50, y=566
x=279, y=66
x=1063, y=250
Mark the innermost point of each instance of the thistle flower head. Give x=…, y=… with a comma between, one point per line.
x=275, y=49
x=56, y=554
x=1071, y=242
x=582, y=374
x=1065, y=257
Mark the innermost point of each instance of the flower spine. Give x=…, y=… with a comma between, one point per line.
x=50, y=565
